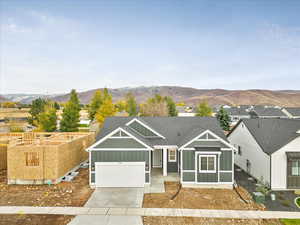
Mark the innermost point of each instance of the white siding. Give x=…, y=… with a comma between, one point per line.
x=279, y=164
x=260, y=161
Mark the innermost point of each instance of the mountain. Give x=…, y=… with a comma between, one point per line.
x=2, y=98
x=193, y=96
x=25, y=98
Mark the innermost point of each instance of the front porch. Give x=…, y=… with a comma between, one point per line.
x=157, y=180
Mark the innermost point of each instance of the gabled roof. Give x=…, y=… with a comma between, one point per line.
x=176, y=130
x=235, y=111
x=271, y=134
x=268, y=112
x=294, y=111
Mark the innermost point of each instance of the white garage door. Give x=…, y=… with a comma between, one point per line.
x=120, y=174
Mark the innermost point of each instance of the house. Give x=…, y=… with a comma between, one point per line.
x=193, y=148
x=237, y=113
x=269, y=149
x=267, y=112
x=292, y=112
x=186, y=111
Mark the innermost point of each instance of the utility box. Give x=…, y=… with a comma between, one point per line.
x=258, y=197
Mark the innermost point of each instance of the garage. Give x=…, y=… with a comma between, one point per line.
x=120, y=174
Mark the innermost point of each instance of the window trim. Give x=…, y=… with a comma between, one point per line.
x=298, y=168
x=172, y=160
x=207, y=171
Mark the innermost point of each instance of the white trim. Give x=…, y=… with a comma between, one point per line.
x=207, y=171
x=188, y=171
x=149, y=128
x=172, y=160
x=212, y=134
x=112, y=133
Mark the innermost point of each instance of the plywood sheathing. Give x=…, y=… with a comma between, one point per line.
x=58, y=153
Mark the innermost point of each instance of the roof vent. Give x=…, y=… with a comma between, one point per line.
x=178, y=134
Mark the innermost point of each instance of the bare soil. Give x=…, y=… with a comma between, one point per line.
x=196, y=198
x=22, y=219
x=206, y=221
x=74, y=193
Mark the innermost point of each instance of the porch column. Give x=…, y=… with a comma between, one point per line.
x=165, y=161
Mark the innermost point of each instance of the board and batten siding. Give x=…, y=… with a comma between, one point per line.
x=188, y=168
x=279, y=165
x=250, y=149
x=120, y=156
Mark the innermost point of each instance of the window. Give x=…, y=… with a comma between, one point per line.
x=32, y=159
x=239, y=150
x=172, y=155
x=296, y=168
x=207, y=164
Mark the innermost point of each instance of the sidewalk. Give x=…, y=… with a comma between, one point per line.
x=245, y=214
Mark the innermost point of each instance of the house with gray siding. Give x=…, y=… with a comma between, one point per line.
x=269, y=149
x=127, y=149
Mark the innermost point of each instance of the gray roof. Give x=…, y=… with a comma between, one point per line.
x=235, y=111
x=176, y=130
x=272, y=134
x=294, y=111
x=268, y=112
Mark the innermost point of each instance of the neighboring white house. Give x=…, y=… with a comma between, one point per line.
x=292, y=112
x=269, y=149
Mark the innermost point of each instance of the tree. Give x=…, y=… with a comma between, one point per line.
x=106, y=109
x=70, y=115
x=48, y=118
x=224, y=119
x=203, y=109
x=56, y=106
x=95, y=104
x=131, y=105
x=120, y=106
x=155, y=106
x=171, y=106
x=37, y=107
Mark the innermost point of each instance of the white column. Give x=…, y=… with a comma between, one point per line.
x=165, y=161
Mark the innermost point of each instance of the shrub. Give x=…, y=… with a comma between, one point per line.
x=286, y=203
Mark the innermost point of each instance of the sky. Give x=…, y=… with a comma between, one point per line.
x=52, y=46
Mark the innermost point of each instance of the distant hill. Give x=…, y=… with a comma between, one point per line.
x=2, y=99
x=193, y=95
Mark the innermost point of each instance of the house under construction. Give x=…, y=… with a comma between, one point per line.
x=42, y=158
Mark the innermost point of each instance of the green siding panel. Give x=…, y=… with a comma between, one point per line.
x=226, y=160
x=120, y=143
x=120, y=156
x=92, y=178
x=207, y=177
x=147, y=177
x=188, y=176
x=188, y=160
x=142, y=130
x=225, y=177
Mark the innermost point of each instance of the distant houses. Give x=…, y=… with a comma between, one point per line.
x=186, y=111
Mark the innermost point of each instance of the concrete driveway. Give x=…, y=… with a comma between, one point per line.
x=106, y=220
x=116, y=198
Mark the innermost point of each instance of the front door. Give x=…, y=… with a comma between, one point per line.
x=157, y=158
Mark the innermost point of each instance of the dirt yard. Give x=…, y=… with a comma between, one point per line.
x=74, y=193
x=196, y=198
x=206, y=221
x=34, y=219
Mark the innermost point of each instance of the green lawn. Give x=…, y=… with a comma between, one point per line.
x=290, y=221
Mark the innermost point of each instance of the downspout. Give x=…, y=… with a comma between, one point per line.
x=271, y=171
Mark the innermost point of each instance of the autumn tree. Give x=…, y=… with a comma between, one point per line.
x=48, y=118
x=224, y=119
x=203, y=110
x=70, y=115
x=95, y=104
x=106, y=109
x=131, y=105
x=37, y=107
